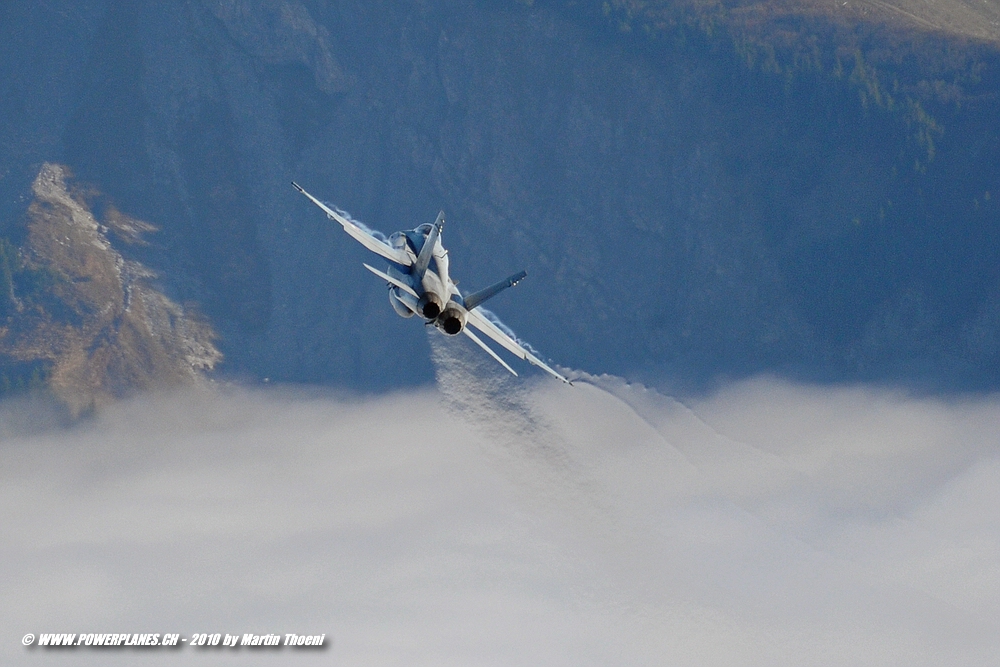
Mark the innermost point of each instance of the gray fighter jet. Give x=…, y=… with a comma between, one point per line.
x=419, y=284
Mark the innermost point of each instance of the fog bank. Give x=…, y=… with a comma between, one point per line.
x=499, y=521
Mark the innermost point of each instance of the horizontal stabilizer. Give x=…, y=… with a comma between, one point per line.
x=393, y=281
x=482, y=295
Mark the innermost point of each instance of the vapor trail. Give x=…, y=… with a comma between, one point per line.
x=502, y=407
x=572, y=481
x=374, y=232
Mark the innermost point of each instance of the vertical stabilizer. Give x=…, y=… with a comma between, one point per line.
x=427, y=251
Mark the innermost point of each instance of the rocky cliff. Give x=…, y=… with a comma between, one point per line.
x=86, y=321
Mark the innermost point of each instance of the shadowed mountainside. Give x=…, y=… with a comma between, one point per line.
x=692, y=199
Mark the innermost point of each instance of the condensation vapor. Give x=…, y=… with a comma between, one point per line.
x=509, y=521
x=492, y=317
x=374, y=232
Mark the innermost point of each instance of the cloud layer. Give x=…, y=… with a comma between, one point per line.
x=497, y=522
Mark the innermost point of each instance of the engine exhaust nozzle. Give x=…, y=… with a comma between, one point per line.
x=430, y=306
x=452, y=321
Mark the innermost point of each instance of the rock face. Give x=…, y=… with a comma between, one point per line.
x=958, y=19
x=680, y=215
x=89, y=317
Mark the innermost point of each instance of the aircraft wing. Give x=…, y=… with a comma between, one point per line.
x=392, y=281
x=477, y=320
x=367, y=240
x=468, y=332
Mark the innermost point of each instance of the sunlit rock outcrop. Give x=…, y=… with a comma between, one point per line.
x=89, y=321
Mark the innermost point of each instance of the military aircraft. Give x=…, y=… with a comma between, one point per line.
x=419, y=284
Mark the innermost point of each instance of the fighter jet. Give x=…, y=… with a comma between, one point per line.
x=419, y=284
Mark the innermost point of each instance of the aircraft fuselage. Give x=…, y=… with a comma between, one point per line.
x=435, y=297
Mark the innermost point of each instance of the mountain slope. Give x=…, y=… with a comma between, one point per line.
x=89, y=318
x=687, y=206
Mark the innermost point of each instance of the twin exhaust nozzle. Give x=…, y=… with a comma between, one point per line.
x=450, y=320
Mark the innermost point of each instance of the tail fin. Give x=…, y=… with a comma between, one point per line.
x=427, y=251
x=482, y=295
